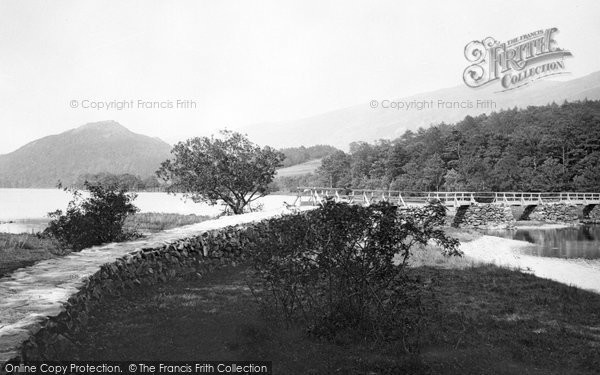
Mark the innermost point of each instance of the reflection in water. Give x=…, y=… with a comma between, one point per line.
x=573, y=242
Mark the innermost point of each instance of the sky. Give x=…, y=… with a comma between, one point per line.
x=236, y=63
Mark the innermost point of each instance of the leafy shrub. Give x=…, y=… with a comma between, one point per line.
x=94, y=220
x=342, y=268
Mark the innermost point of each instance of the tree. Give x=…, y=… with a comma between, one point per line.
x=549, y=176
x=433, y=172
x=123, y=181
x=232, y=170
x=453, y=181
x=396, y=159
x=410, y=180
x=151, y=182
x=588, y=178
x=334, y=169
x=94, y=220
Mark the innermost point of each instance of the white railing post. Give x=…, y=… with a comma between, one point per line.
x=401, y=200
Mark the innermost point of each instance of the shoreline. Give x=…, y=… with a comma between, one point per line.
x=581, y=273
x=528, y=225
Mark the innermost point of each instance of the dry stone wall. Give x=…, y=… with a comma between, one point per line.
x=482, y=215
x=555, y=213
x=41, y=303
x=188, y=257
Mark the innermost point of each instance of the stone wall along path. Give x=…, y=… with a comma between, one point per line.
x=30, y=295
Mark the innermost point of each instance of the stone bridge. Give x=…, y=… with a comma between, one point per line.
x=472, y=208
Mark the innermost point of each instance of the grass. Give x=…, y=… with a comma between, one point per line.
x=300, y=169
x=22, y=250
x=475, y=320
x=151, y=222
x=462, y=234
x=431, y=256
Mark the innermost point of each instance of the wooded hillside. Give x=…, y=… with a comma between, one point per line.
x=547, y=148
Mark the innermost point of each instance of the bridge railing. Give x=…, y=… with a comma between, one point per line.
x=367, y=196
x=315, y=195
x=551, y=197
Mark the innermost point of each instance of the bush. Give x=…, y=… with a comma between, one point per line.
x=341, y=268
x=95, y=220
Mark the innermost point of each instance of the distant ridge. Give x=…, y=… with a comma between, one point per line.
x=363, y=123
x=96, y=147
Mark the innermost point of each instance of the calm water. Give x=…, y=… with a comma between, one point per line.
x=23, y=226
x=573, y=242
x=25, y=210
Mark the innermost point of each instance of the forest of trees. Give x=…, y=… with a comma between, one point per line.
x=547, y=148
x=126, y=181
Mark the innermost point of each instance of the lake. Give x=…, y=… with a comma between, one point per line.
x=572, y=242
x=25, y=210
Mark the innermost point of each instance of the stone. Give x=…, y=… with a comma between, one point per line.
x=481, y=215
x=555, y=213
x=34, y=312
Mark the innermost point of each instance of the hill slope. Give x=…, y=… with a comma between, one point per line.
x=300, y=169
x=92, y=148
x=362, y=123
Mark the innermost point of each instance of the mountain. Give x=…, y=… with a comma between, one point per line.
x=92, y=148
x=363, y=123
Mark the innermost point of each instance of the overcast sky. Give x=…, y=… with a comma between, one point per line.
x=245, y=62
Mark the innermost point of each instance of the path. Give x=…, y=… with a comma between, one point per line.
x=29, y=295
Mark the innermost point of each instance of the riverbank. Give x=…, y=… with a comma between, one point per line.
x=25, y=249
x=531, y=224
x=505, y=252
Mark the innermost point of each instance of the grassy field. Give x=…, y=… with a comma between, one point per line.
x=475, y=320
x=300, y=169
x=151, y=222
x=22, y=250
